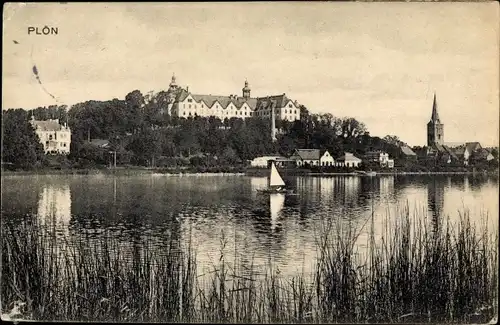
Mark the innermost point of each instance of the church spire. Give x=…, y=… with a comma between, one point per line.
x=435, y=129
x=435, y=115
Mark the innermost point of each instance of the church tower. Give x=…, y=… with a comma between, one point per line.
x=435, y=129
x=246, y=90
x=173, y=84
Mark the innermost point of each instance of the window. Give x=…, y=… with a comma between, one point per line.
x=190, y=100
x=189, y=106
x=50, y=137
x=64, y=144
x=245, y=113
x=184, y=113
x=46, y=143
x=290, y=105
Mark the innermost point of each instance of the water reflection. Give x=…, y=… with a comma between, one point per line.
x=198, y=210
x=276, y=204
x=54, y=204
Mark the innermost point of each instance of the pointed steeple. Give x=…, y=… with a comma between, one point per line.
x=435, y=115
x=435, y=129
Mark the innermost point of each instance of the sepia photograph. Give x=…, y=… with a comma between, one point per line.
x=250, y=162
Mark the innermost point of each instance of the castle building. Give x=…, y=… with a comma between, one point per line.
x=435, y=129
x=183, y=103
x=55, y=138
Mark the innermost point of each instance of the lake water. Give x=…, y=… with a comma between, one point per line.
x=226, y=214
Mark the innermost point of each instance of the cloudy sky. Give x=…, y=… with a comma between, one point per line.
x=377, y=62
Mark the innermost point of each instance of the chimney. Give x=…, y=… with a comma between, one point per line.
x=187, y=88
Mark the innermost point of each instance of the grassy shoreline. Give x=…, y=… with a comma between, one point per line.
x=418, y=274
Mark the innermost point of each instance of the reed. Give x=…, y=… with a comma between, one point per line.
x=418, y=273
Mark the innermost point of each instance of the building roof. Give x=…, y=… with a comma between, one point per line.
x=261, y=103
x=48, y=125
x=473, y=146
x=443, y=149
x=459, y=151
x=407, y=151
x=307, y=154
x=271, y=102
x=269, y=157
x=348, y=157
x=483, y=153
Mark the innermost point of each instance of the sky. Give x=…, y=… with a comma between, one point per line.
x=377, y=62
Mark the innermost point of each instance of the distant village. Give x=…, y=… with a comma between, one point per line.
x=436, y=151
x=55, y=136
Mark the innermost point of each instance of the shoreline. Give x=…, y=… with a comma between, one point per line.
x=237, y=172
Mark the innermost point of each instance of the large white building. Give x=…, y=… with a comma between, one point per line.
x=55, y=138
x=183, y=103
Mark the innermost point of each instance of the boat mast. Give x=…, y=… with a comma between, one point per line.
x=273, y=125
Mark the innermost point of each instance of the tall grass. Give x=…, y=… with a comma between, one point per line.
x=418, y=273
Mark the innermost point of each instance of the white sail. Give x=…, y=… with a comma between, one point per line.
x=275, y=179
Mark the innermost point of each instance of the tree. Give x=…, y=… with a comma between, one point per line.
x=146, y=147
x=21, y=145
x=134, y=102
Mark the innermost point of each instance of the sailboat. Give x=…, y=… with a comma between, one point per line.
x=276, y=183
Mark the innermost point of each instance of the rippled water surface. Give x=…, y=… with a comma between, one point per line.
x=226, y=213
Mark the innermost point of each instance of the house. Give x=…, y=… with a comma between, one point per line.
x=306, y=157
x=465, y=151
x=55, y=138
x=285, y=163
x=348, y=160
x=482, y=155
x=473, y=146
x=462, y=154
x=263, y=161
x=379, y=157
x=408, y=153
x=183, y=103
x=326, y=159
x=442, y=152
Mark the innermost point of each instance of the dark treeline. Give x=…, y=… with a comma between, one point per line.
x=142, y=133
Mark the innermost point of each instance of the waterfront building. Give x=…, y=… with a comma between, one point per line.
x=306, y=157
x=55, y=138
x=348, y=160
x=326, y=159
x=183, y=103
x=264, y=161
x=379, y=157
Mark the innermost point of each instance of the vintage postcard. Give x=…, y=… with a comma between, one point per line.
x=250, y=162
